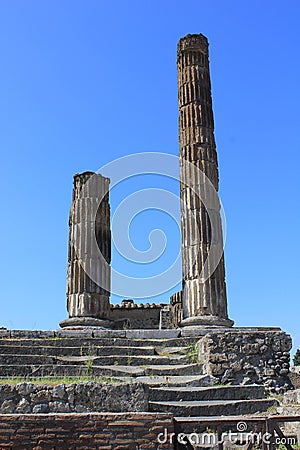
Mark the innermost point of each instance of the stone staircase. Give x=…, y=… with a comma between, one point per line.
x=210, y=401
x=96, y=357
x=166, y=364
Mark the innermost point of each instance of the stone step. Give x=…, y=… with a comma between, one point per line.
x=77, y=351
x=213, y=408
x=155, y=380
x=72, y=370
x=98, y=342
x=200, y=424
x=180, y=369
x=91, y=350
x=171, y=350
x=128, y=360
x=172, y=380
x=82, y=332
x=206, y=393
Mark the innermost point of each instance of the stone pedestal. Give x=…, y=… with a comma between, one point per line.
x=88, y=280
x=204, y=299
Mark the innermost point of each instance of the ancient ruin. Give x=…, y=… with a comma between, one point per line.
x=127, y=376
x=203, y=298
x=200, y=309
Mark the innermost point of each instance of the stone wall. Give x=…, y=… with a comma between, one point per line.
x=85, y=431
x=248, y=357
x=137, y=316
x=294, y=376
x=147, y=316
x=76, y=397
x=290, y=406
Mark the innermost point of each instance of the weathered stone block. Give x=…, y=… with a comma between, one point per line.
x=32, y=334
x=253, y=358
x=152, y=334
x=77, y=397
x=79, y=333
x=109, y=333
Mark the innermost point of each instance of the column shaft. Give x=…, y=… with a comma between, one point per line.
x=89, y=255
x=204, y=289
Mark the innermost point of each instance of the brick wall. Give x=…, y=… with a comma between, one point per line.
x=120, y=431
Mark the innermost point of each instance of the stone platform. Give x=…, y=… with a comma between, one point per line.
x=160, y=364
x=154, y=333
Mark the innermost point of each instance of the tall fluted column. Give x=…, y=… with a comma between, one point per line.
x=88, y=279
x=204, y=289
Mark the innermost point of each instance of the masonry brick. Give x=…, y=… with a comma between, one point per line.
x=65, y=431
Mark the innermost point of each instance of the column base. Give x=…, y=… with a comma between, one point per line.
x=86, y=322
x=206, y=321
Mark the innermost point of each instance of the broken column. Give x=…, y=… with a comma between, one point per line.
x=204, y=290
x=88, y=278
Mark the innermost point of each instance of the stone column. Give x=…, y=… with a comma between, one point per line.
x=204, y=290
x=88, y=279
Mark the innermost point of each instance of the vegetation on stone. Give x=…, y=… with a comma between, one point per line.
x=51, y=381
x=192, y=354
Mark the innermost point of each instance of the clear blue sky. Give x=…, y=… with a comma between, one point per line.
x=85, y=82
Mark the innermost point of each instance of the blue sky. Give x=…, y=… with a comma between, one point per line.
x=85, y=82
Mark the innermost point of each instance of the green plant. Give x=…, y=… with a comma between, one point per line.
x=278, y=397
x=89, y=365
x=45, y=380
x=296, y=359
x=162, y=352
x=272, y=410
x=52, y=381
x=108, y=380
x=192, y=354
